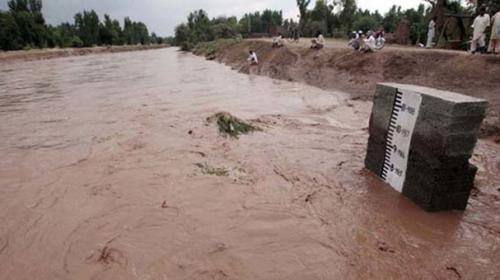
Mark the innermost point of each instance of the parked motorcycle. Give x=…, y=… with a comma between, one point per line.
x=379, y=40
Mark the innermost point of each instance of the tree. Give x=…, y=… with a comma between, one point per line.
x=106, y=34
x=418, y=23
x=198, y=29
x=439, y=11
x=270, y=20
x=183, y=37
x=492, y=6
x=135, y=32
x=251, y=23
x=65, y=36
x=10, y=37
x=302, y=5
x=118, y=38
x=24, y=26
x=18, y=6
x=199, y=24
x=392, y=19
x=365, y=23
x=35, y=6
x=223, y=27
x=347, y=15
x=141, y=33
x=87, y=26
x=30, y=23
x=322, y=12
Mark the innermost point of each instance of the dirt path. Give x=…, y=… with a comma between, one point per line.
x=342, y=44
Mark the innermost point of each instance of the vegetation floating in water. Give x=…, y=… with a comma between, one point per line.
x=214, y=171
x=232, y=126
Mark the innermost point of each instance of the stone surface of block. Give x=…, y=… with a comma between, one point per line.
x=437, y=174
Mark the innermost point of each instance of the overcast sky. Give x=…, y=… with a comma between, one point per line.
x=161, y=16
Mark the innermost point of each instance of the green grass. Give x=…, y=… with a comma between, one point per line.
x=210, y=48
x=232, y=126
x=213, y=171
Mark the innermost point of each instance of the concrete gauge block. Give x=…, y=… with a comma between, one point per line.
x=421, y=140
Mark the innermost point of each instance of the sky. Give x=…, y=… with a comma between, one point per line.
x=161, y=16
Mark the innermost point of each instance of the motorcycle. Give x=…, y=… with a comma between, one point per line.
x=379, y=40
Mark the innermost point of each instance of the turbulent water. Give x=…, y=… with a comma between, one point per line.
x=108, y=171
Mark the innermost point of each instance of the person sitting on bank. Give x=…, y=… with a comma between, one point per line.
x=319, y=42
x=252, y=58
x=278, y=41
x=369, y=42
x=355, y=41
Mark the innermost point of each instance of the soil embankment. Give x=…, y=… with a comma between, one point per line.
x=55, y=53
x=357, y=74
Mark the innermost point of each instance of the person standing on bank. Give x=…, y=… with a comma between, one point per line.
x=495, y=32
x=431, y=33
x=481, y=23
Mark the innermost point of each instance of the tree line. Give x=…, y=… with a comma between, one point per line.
x=23, y=27
x=340, y=18
x=200, y=28
x=334, y=18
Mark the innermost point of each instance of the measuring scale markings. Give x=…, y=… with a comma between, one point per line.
x=403, y=119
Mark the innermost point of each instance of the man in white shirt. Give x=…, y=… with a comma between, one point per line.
x=431, y=33
x=495, y=33
x=355, y=40
x=252, y=58
x=369, y=42
x=480, y=24
x=319, y=42
x=278, y=41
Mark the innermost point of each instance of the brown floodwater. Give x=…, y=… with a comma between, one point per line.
x=101, y=179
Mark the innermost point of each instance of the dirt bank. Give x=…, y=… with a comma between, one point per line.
x=55, y=53
x=357, y=74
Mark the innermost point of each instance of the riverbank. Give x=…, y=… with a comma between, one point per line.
x=37, y=54
x=340, y=68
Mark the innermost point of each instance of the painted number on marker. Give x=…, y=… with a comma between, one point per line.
x=403, y=119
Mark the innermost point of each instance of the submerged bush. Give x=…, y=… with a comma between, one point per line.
x=213, y=171
x=232, y=126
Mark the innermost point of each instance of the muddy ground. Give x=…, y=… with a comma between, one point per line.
x=340, y=68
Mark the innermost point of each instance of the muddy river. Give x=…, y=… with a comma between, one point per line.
x=105, y=173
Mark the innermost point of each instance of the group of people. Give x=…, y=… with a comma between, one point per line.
x=278, y=41
x=368, y=42
x=480, y=26
x=364, y=42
